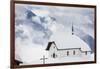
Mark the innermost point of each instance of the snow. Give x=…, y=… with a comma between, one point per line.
x=68, y=59
x=62, y=60
x=64, y=39
x=29, y=54
x=33, y=34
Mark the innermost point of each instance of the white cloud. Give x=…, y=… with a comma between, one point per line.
x=41, y=13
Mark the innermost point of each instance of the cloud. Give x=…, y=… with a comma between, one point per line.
x=80, y=17
x=41, y=13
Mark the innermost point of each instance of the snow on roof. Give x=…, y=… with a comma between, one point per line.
x=72, y=42
x=64, y=41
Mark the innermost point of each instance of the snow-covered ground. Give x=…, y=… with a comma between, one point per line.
x=36, y=59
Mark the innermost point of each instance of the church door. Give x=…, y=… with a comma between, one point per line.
x=53, y=55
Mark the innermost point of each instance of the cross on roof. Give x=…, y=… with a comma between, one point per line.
x=43, y=59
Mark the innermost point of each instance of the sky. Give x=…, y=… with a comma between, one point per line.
x=35, y=24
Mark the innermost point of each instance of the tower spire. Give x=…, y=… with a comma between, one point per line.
x=72, y=29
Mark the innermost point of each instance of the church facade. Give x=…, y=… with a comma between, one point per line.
x=55, y=52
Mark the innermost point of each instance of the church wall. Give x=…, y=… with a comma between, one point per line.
x=59, y=53
x=68, y=53
x=52, y=50
x=86, y=54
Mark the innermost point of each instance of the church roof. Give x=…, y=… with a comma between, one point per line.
x=71, y=41
x=49, y=44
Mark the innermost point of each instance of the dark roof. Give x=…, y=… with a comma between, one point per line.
x=49, y=44
x=18, y=62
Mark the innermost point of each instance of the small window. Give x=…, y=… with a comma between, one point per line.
x=67, y=53
x=74, y=52
x=54, y=55
x=86, y=53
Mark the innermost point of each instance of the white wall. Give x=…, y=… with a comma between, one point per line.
x=52, y=50
x=5, y=35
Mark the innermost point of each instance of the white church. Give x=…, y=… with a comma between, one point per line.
x=66, y=45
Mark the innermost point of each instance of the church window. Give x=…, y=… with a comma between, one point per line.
x=74, y=52
x=86, y=53
x=54, y=55
x=67, y=53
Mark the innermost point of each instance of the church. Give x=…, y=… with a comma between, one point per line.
x=56, y=52
x=67, y=45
